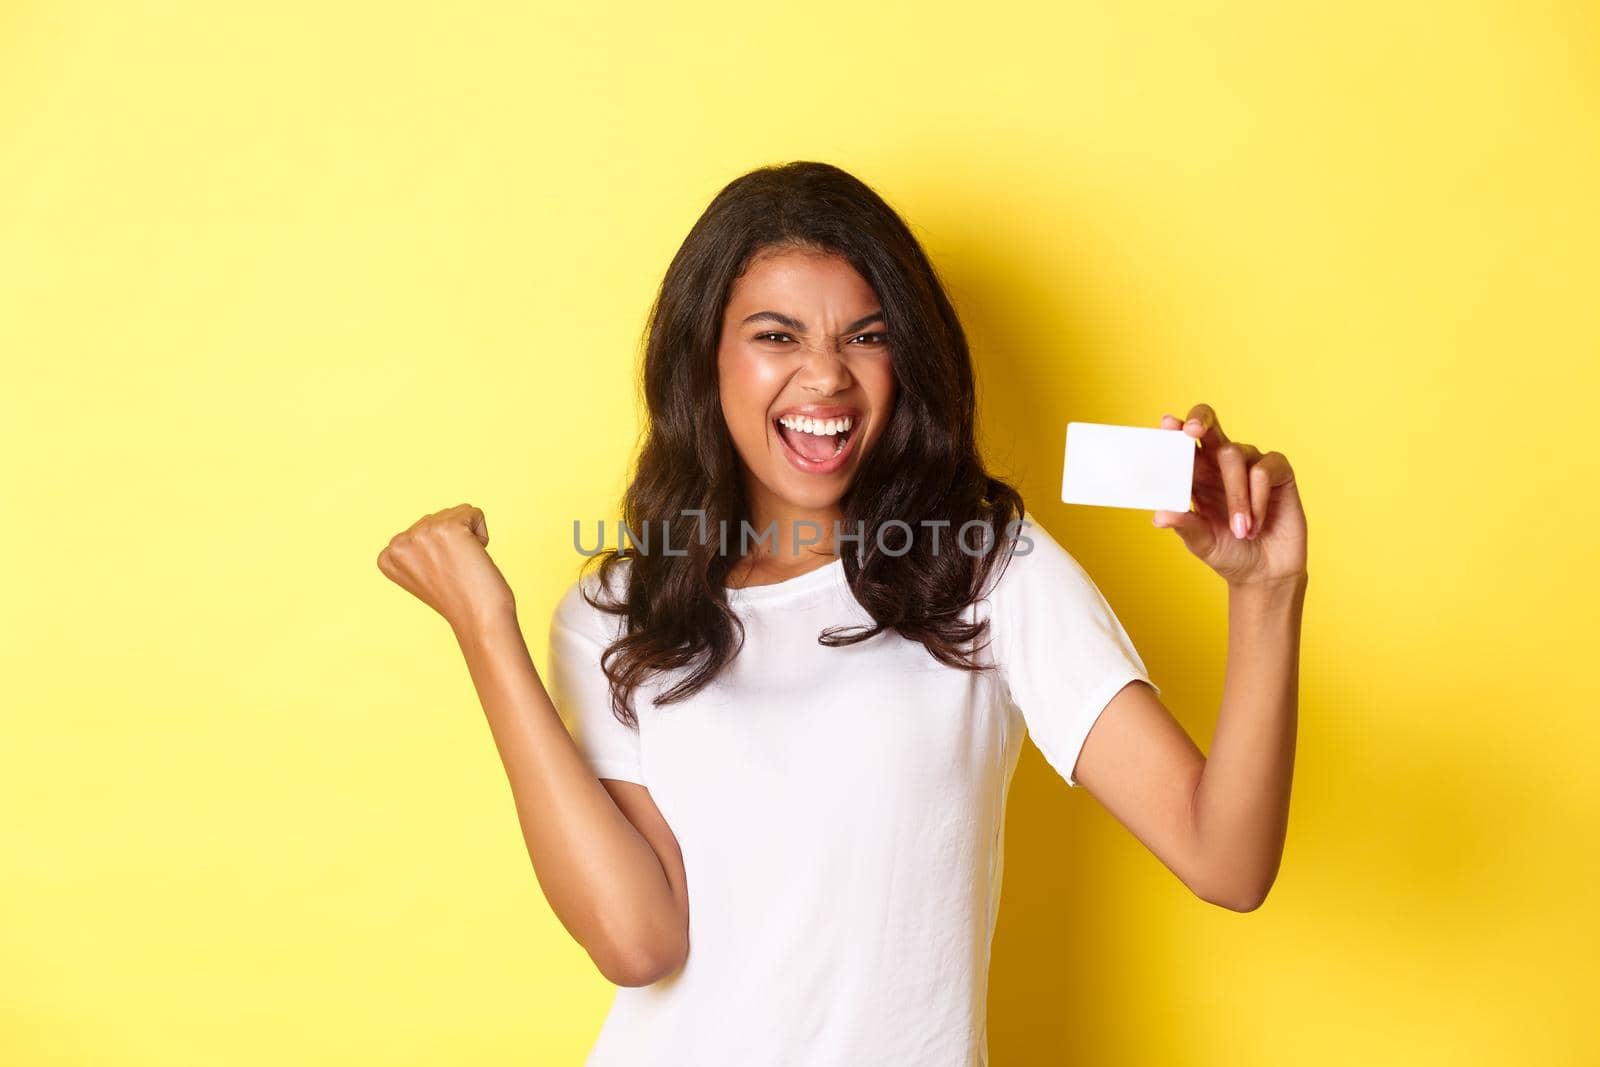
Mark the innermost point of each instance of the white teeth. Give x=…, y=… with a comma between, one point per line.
x=819, y=427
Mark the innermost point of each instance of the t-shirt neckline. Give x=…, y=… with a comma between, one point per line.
x=819, y=578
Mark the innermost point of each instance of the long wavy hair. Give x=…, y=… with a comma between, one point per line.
x=925, y=467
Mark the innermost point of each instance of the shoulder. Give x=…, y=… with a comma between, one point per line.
x=577, y=612
x=1032, y=563
x=1043, y=590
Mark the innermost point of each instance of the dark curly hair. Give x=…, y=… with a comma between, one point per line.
x=924, y=470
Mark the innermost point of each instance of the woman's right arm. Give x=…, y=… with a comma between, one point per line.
x=603, y=855
x=601, y=873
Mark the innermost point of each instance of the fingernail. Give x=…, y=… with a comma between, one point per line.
x=1193, y=422
x=1240, y=525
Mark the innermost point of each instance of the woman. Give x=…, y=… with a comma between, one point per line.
x=765, y=788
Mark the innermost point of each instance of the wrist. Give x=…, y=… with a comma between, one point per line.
x=486, y=622
x=1278, y=587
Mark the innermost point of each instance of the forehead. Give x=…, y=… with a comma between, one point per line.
x=801, y=279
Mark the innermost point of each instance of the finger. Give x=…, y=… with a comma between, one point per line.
x=1270, y=472
x=1211, y=501
x=1208, y=472
x=478, y=525
x=1202, y=424
x=1171, y=422
x=1190, y=526
x=1278, y=467
x=1205, y=469
x=1233, y=460
x=1260, y=498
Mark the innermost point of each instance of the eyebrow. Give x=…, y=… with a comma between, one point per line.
x=800, y=327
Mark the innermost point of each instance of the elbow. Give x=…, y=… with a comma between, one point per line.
x=634, y=970
x=1234, y=894
x=1240, y=901
x=641, y=964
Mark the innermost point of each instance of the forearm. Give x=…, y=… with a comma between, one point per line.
x=1241, y=803
x=602, y=878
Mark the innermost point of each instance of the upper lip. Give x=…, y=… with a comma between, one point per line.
x=820, y=411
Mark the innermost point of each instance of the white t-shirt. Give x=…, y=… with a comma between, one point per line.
x=841, y=814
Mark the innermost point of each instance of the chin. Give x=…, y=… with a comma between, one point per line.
x=815, y=496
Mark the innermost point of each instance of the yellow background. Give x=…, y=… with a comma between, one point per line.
x=276, y=281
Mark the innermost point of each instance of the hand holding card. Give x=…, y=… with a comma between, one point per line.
x=1128, y=467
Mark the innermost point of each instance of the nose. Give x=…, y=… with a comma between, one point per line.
x=825, y=371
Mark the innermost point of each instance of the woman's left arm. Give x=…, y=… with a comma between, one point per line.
x=1219, y=823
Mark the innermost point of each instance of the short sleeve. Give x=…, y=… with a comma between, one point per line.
x=1060, y=648
x=581, y=692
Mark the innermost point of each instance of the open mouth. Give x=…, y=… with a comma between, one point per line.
x=816, y=446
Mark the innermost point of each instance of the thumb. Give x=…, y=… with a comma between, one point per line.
x=1195, y=531
x=479, y=526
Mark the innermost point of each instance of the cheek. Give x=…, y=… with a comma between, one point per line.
x=879, y=382
x=747, y=388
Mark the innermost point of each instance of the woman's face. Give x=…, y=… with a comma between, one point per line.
x=805, y=378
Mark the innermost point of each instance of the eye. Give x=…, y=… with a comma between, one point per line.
x=881, y=338
x=764, y=336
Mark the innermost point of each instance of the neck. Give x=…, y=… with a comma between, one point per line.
x=783, y=524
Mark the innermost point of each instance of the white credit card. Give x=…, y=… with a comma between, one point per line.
x=1128, y=467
